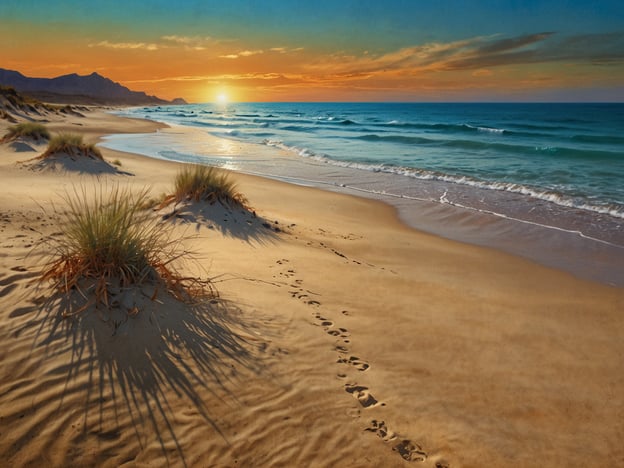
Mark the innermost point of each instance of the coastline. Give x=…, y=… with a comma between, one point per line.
x=363, y=342
x=567, y=247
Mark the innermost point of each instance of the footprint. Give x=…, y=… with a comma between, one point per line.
x=379, y=428
x=341, y=349
x=355, y=362
x=410, y=451
x=362, y=395
x=340, y=332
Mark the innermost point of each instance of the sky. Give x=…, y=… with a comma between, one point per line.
x=318, y=50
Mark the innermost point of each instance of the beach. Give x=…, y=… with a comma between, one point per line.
x=340, y=337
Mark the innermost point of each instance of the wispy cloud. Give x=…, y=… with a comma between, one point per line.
x=284, y=50
x=191, y=42
x=477, y=53
x=216, y=77
x=243, y=53
x=126, y=45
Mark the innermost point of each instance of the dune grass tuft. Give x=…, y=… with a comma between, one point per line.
x=109, y=243
x=202, y=183
x=71, y=144
x=32, y=130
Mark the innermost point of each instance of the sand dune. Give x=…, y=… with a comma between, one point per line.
x=339, y=338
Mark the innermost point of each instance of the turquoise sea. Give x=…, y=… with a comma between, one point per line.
x=554, y=167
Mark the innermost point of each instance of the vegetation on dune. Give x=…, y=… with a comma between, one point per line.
x=71, y=144
x=109, y=243
x=13, y=101
x=32, y=130
x=202, y=183
x=16, y=99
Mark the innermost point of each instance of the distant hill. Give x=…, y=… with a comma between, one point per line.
x=78, y=89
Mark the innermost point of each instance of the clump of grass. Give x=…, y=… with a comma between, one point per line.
x=72, y=144
x=117, y=162
x=109, y=243
x=16, y=99
x=32, y=130
x=203, y=183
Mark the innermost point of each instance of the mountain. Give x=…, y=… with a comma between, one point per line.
x=73, y=88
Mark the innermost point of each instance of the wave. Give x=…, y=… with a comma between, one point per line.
x=559, y=151
x=410, y=140
x=540, y=132
x=463, y=127
x=298, y=128
x=558, y=198
x=488, y=146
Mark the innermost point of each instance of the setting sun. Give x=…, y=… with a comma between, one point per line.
x=222, y=98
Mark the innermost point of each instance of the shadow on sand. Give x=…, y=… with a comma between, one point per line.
x=238, y=223
x=133, y=371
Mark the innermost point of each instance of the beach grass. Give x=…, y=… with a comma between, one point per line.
x=71, y=144
x=203, y=183
x=32, y=130
x=14, y=98
x=109, y=243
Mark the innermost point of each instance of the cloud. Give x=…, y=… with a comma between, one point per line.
x=284, y=50
x=191, y=42
x=244, y=53
x=219, y=77
x=504, y=45
x=478, y=53
x=126, y=45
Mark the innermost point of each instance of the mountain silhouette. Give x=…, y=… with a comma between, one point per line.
x=93, y=88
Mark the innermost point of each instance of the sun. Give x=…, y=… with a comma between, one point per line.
x=222, y=98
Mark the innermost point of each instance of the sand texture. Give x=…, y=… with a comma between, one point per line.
x=339, y=338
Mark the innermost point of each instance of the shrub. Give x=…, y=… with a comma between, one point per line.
x=27, y=130
x=203, y=183
x=108, y=242
x=71, y=144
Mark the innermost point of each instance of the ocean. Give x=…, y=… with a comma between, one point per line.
x=545, y=181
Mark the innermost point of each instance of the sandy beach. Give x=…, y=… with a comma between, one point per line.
x=340, y=337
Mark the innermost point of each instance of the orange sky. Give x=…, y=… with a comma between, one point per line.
x=185, y=57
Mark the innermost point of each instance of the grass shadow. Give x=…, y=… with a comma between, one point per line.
x=238, y=223
x=137, y=363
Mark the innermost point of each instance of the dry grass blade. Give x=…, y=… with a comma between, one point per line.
x=204, y=183
x=32, y=130
x=72, y=145
x=109, y=243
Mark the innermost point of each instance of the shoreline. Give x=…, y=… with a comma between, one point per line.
x=342, y=337
x=563, y=249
